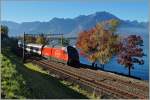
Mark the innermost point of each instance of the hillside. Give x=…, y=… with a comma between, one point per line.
x=71, y=27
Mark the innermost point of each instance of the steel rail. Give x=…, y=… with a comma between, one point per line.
x=108, y=88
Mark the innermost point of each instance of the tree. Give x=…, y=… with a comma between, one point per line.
x=30, y=39
x=64, y=41
x=4, y=32
x=113, y=24
x=41, y=39
x=130, y=51
x=99, y=43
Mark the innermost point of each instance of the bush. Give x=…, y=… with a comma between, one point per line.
x=12, y=83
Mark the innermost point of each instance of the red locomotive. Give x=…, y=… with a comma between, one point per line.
x=67, y=54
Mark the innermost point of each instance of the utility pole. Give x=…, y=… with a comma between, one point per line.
x=23, y=47
x=62, y=40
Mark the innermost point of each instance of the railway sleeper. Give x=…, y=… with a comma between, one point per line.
x=89, y=84
x=76, y=81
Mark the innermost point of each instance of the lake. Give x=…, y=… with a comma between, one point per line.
x=140, y=71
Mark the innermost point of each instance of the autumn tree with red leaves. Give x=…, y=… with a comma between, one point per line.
x=130, y=52
x=99, y=43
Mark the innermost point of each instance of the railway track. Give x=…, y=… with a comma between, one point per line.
x=115, y=81
x=136, y=85
x=98, y=86
x=117, y=78
x=123, y=81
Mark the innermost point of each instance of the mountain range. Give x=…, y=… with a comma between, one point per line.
x=71, y=27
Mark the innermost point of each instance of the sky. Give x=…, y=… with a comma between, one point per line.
x=44, y=10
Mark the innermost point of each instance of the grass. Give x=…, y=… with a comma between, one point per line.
x=65, y=83
x=78, y=89
x=37, y=83
x=45, y=86
x=12, y=83
x=30, y=81
x=35, y=67
x=41, y=85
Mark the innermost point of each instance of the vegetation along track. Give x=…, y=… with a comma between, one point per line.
x=96, y=74
x=129, y=84
x=124, y=83
x=97, y=85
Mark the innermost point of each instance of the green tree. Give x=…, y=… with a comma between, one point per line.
x=29, y=39
x=4, y=31
x=64, y=41
x=41, y=39
x=113, y=24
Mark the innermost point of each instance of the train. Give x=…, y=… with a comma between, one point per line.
x=68, y=54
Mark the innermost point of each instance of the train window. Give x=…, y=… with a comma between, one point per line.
x=34, y=48
x=21, y=45
x=37, y=49
x=31, y=48
x=28, y=46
